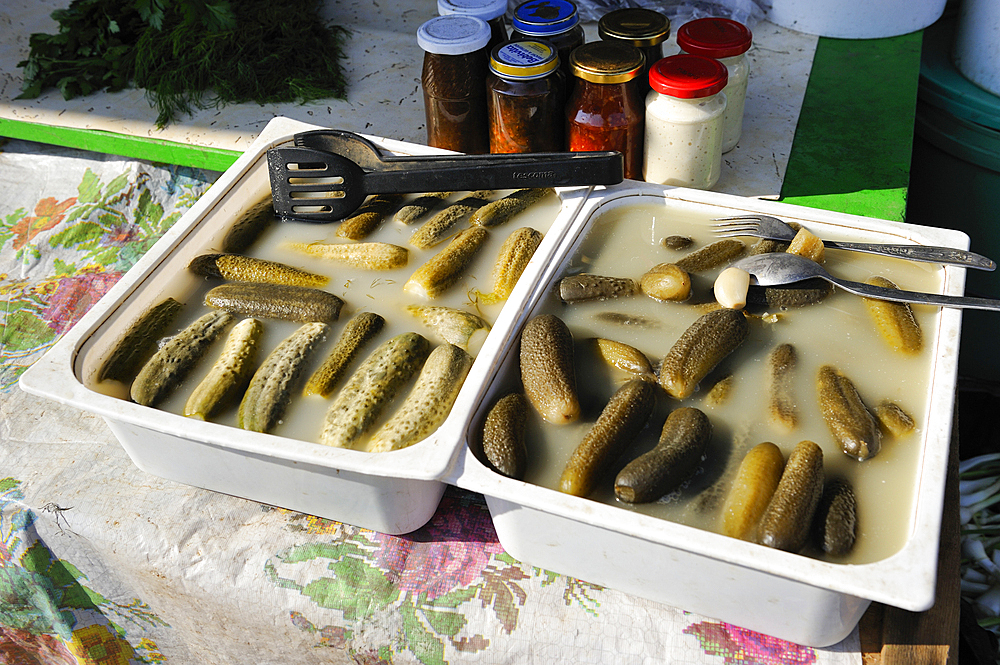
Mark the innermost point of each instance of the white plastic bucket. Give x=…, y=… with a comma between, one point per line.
x=848, y=19
x=977, y=43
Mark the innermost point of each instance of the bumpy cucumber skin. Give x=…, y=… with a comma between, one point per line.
x=138, y=344
x=504, y=444
x=276, y=301
x=429, y=402
x=711, y=256
x=781, y=364
x=371, y=213
x=625, y=357
x=363, y=255
x=835, y=522
x=271, y=387
x=241, y=268
x=358, y=332
x=622, y=419
x=435, y=230
x=893, y=420
x=513, y=257
x=371, y=388
x=499, y=211
x=445, y=268
x=701, y=347
x=163, y=372
x=230, y=373
x=455, y=326
x=249, y=226
x=548, y=373
x=420, y=207
x=682, y=443
x=755, y=482
x=580, y=288
x=787, y=521
x=850, y=422
x=894, y=321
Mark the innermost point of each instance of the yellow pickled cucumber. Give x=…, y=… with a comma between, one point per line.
x=371, y=213
x=625, y=357
x=364, y=255
x=894, y=420
x=501, y=210
x=230, y=373
x=464, y=329
x=620, y=421
x=807, y=245
x=721, y=391
x=420, y=207
x=701, y=347
x=786, y=523
x=754, y=485
x=504, y=443
x=445, y=268
x=666, y=281
x=514, y=255
x=249, y=226
x=850, y=422
x=894, y=321
x=548, y=373
x=436, y=229
x=249, y=269
x=663, y=469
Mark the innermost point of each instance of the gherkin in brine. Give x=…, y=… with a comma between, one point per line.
x=230, y=373
x=514, y=255
x=703, y=345
x=138, y=343
x=240, y=268
x=276, y=301
x=361, y=329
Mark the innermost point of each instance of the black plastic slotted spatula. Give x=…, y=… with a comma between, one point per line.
x=317, y=185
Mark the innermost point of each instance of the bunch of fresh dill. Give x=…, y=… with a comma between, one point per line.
x=189, y=54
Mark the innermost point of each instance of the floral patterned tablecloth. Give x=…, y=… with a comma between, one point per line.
x=103, y=563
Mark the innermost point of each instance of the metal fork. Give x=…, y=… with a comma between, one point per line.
x=772, y=228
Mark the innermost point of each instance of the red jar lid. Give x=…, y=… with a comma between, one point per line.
x=714, y=37
x=688, y=76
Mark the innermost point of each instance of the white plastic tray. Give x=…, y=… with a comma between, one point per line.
x=786, y=595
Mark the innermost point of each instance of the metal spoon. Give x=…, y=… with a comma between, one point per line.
x=777, y=268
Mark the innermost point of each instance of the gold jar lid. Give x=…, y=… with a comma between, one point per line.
x=527, y=59
x=638, y=26
x=606, y=62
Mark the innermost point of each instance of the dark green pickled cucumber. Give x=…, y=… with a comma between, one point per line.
x=161, y=375
x=580, y=288
x=503, y=436
x=276, y=301
x=548, y=373
x=138, y=343
x=787, y=521
x=660, y=471
x=850, y=422
x=835, y=522
x=249, y=226
x=713, y=255
x=804, y=293
x=501, y=210
x=703, y=345
x=622, y=419
x=361, y=329
x=677, y=243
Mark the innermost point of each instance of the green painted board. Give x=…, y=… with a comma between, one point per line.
x=167, y=152
x=854, y=137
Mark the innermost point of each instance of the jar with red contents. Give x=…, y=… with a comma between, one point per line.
x=454, y=67
x=644, y=29
x=726, y=41
x=605, y=109
x=525, y=98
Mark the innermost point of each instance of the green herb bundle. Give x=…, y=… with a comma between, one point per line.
x=189, y=54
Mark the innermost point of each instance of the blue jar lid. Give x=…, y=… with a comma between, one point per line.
x=545, y=17
x=454, y=34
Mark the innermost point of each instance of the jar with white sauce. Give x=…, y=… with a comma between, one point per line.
x=728, y=42
x=684, y=114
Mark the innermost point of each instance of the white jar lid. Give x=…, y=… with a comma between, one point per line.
x=454, y=34
x=484, y=9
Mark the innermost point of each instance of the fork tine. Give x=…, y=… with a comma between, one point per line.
x=735, y=226
x=739, y=218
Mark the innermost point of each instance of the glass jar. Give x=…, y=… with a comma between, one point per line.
x=455, y=63
x=525, y=98
x=554, y=21
x=684, y=112
x=491, y=11
x=643, y=28
x=605, y=110
x=727, y=41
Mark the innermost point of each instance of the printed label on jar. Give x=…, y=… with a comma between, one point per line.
x=524, y=53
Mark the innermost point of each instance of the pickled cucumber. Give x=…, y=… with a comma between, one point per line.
x=455, y=326
x=372, y=386
x=446, y=267
x=804, y=293
x=501, y=210
x=249, y=269
x=420, y=207
x=786, y=523
x=894, y=420
x=666, y=281
x=230, y=373
x=504, y=443
x=164, y=371
x=682, y=443
x=703, y=345
x=138, y=343
x=712, y=255
x=436, y=229
x=625, y=357
x=548, y=373
x=514, y=255
x=579, y=288
x=249, y=226
x=429, y=402
x=894, y=321
x=622, y=419
x=835, y=522
x=677, y=243
x=364, y=255
x=754, y=485
x=781, y=406
x=276, y=301
x=367, y=218
x=720, y=392
x=850, y=422
x=270, y=390
x=807, y=245
x=361, y=329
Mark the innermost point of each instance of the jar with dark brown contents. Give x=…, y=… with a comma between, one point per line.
x=455, y=64
x=643, y=28
x=491, y=11
x=605, y=110
x=554, y=21
x=525, y=97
